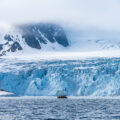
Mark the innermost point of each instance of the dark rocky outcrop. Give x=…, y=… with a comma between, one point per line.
x=36, y=34
x=15, y=46
x=11, y=47
x=8, y=37
x=1, y=47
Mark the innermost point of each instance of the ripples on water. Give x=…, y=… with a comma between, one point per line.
x=60, y=109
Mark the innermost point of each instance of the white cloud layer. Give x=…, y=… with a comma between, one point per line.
x=97, y=13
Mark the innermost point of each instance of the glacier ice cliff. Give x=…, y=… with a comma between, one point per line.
x=88, y=77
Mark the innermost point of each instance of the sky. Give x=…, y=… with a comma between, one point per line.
x=104, y=14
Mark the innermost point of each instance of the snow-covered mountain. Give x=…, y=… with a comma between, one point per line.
x=45, y=72
x=93, y=39
x=37, y=36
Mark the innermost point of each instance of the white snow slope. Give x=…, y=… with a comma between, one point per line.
x=82, y=43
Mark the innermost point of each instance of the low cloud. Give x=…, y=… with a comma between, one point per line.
x=102, y=14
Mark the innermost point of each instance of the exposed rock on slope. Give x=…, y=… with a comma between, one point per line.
x=34, y=36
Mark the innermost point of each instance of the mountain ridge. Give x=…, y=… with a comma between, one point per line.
x=34, y=36
x=51, y=37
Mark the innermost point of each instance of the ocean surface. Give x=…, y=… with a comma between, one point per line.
x=38, y=108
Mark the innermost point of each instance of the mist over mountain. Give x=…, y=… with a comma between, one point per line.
x=53, y=37
x=36, y=36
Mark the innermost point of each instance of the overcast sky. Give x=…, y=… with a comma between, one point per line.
x=96, y=13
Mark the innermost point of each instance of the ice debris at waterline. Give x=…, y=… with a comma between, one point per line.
x=88, y=77
x=6, y=94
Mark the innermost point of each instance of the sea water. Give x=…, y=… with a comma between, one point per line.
x=51, y=108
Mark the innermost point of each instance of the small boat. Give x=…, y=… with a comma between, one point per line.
x=62, y=96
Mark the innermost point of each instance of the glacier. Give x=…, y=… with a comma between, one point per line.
x=83, y=77
x=40, y=59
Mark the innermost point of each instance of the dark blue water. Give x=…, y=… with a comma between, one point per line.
x=59, y=109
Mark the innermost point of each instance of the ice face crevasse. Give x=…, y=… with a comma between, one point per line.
x=89, y=77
